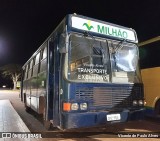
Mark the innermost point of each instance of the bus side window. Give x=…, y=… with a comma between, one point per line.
x=33, y=63
x=44, y=53
x=43, y=62
x=30, y=71
x=36, y=65
x=26, y=72
x=37, y=58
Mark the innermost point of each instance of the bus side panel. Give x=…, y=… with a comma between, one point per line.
x=33, y=83
x=42, y=87
x=33, y=86
x=41, y=92
x=42, y=82
x=151, y=80
x=21, y=87
x=28, y=93
x=25, y=93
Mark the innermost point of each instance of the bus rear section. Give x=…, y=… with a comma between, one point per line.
x=150, y=71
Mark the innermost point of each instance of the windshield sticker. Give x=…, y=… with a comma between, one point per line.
x=93, y=77
x=91, y=72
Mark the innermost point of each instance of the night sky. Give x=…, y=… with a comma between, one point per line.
x=25, y=24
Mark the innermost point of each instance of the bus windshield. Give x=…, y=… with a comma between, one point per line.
x=125, y=57
x=91, y=60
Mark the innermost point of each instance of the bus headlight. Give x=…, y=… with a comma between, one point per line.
x=135, y=103
x=140, y=102
x=83, y=106
x=74, y=106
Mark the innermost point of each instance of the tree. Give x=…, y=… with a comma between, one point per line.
x=13, y=71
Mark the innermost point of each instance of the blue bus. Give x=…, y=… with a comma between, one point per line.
x=85, y=74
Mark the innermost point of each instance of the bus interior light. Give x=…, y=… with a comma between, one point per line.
x=83, y=106
x=74, y=106
x=145, y=103
x=73, y=66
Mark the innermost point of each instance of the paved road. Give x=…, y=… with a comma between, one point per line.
x=35, y=125
x=28, y=118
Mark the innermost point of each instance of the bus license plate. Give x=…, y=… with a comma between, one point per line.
x=113, y=117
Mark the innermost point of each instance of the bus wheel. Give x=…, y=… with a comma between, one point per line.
x=28, y=109
x=47, y=124
x=157, y=107
x=25, y=104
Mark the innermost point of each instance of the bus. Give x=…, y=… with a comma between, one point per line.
x=150, y=72
x=85, y=74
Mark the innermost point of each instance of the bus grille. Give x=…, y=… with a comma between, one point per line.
x=109, y=96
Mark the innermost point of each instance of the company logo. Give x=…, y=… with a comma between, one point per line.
x=88, y=25
x=6, y=135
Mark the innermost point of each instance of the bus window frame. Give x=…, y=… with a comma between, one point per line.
x=26, y=72
x=36, y=64
x=66, y=63
x=42, y=58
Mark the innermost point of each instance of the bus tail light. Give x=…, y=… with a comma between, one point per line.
x=66, y=106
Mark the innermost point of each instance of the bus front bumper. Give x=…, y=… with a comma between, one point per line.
x=90, y=119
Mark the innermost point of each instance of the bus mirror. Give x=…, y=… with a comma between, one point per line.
x=62, y=44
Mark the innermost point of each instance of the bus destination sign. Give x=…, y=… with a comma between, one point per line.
x=102, y=28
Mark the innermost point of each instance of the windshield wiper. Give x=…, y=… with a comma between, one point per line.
x=118, y=47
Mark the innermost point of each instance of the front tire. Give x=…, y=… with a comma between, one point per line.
x=47, y=124
x=28, y=109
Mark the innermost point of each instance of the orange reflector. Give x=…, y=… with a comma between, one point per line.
x=66, y=106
